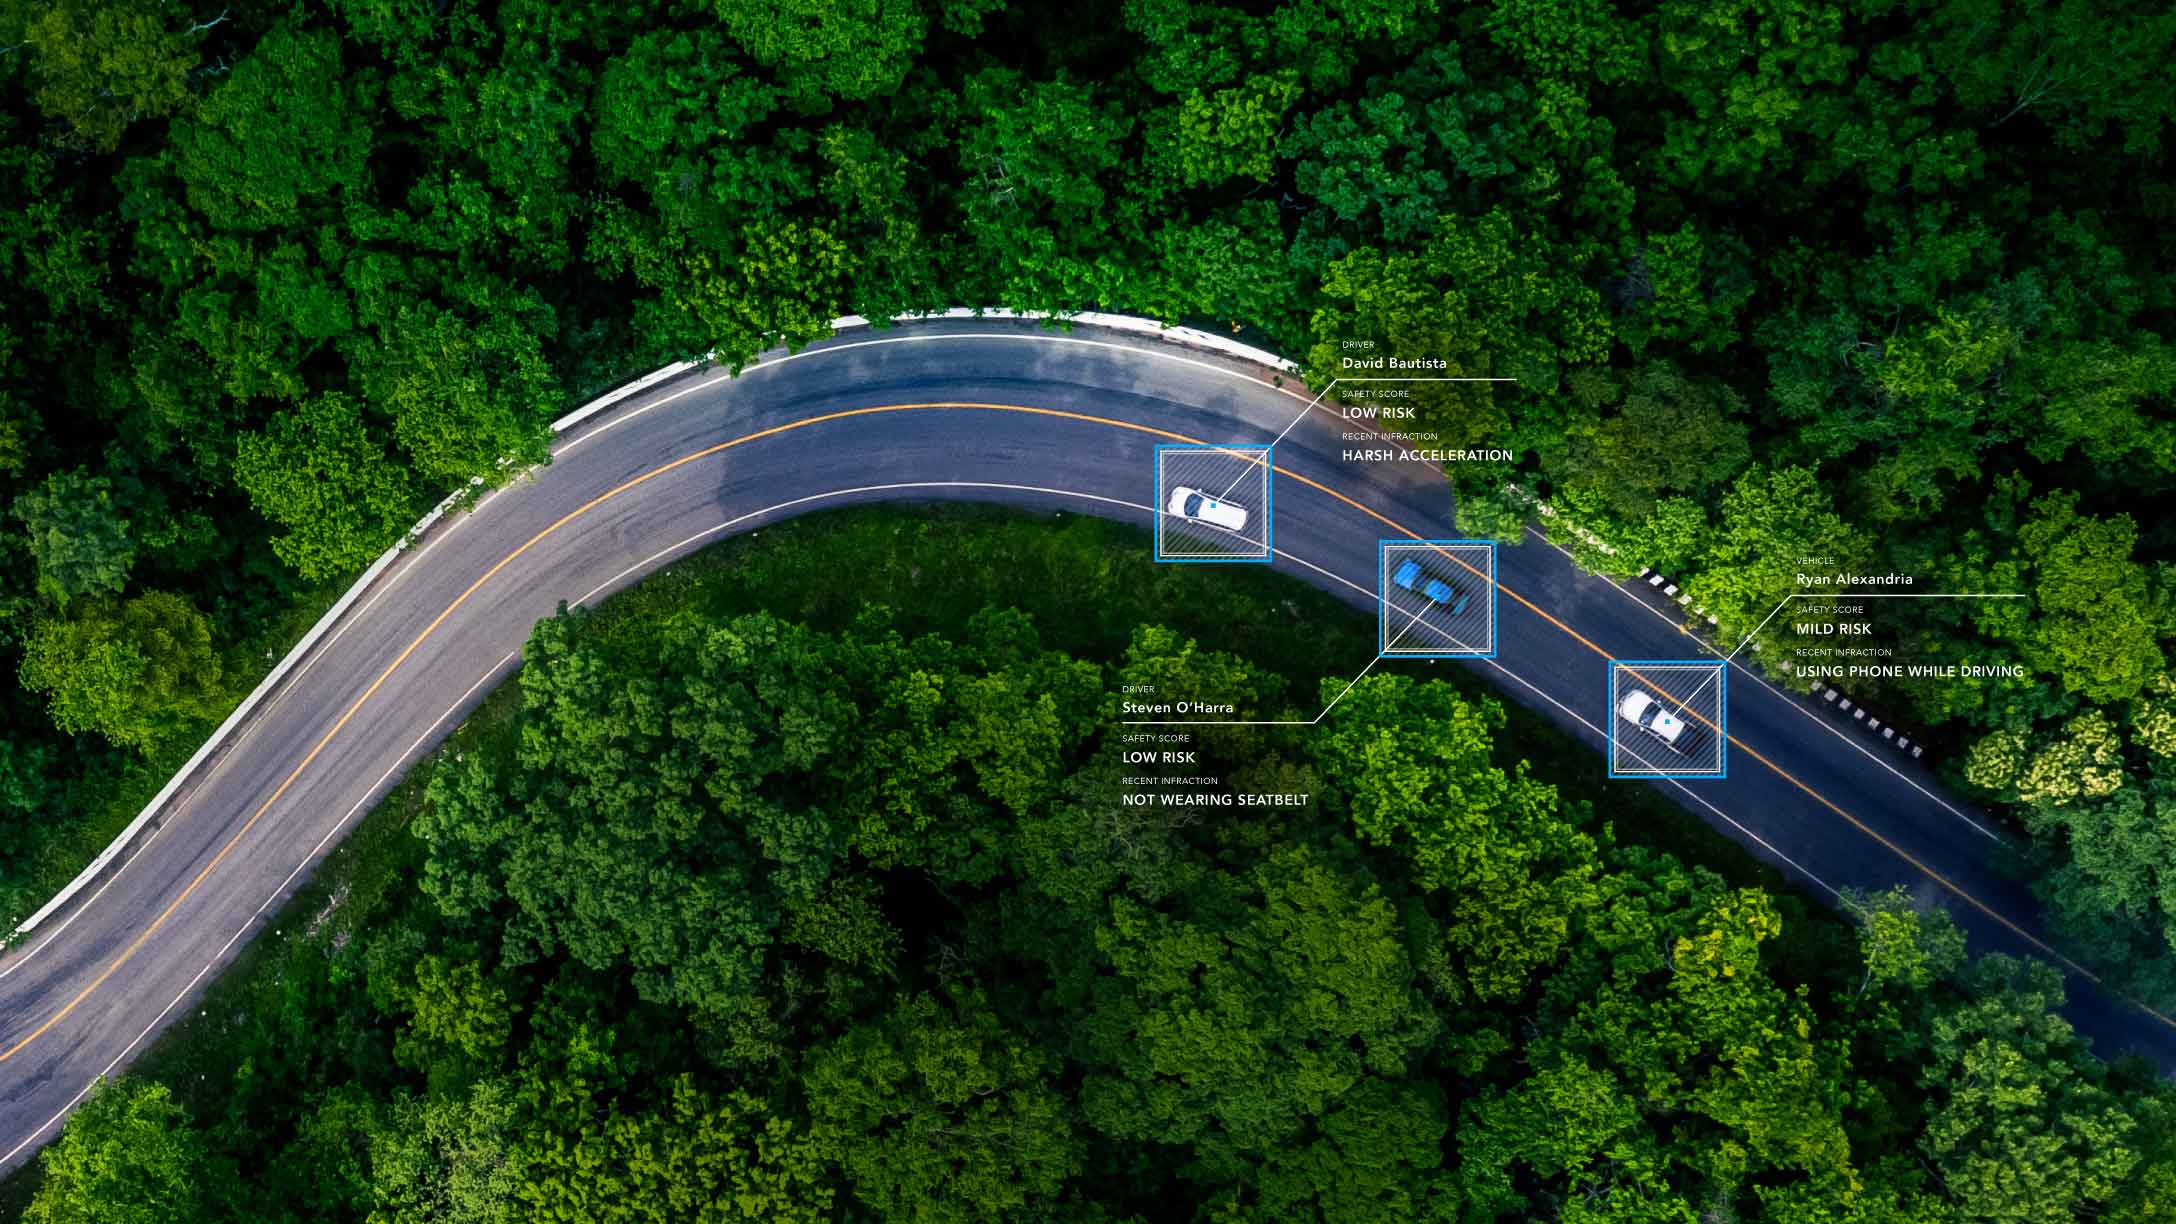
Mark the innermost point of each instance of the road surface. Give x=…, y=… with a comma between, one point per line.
x=981, y=410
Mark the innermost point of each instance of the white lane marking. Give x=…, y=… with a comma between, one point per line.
x=1787, y=698
x=657, y=558
x=1582, y=721
x=159, y=1019
x=615, y=421
x=1160, y=353
x=621, y=418
x=78, y=911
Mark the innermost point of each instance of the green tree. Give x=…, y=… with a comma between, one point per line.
x=938, y=1114
x=1774, y=524
x=1420, y=779
x=1669, y=434
x=849, y=50
x=138, y=673
x=449, y=1160
x=454, y=1004
x=1227, y=133
x=100, y=65
x=697, y=1158
x=288, y=125
x=1375, y=1158
x=1230, y=1026
x=2019, y=1125
x=1671, y=1070
x=1040, y=160
x=2098, y=627
x=1903, y=942
x=77, y=535
x=1488, y=297
x=463, y=394
x=318, y=472
x=126, y=1156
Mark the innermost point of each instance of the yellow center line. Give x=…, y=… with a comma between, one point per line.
x=141, y=939
x=1922, y=867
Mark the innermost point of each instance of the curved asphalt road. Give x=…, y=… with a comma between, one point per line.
x=971, y=409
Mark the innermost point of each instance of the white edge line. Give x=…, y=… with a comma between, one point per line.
x=401, y=763
x=1788, y=699
x=317, y=631
x=176, y=1001
x=1575, y=716
x=653, y=559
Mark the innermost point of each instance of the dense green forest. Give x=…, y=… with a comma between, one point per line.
x=719, y=914
x=1878, y=280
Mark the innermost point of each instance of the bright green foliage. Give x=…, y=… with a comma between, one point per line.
x=463, y=394
x=1385, y=165
x=101, y=65
x=1773, y=525
x=137, y=673
x=2122, y=856
x=1904, y=943
x=127, y=1156
x=452, y=1003
x=1517, y=871
x=942, y=1116
x=847, y=49
x=697, y=1158
x=287, y=127
x=762, y=285
x=2096, y=396
x=449, y=1160
x=77, y=535
x=2084, y=763
x=2097, y=626
x=318, y=472
x=2019, y=1128
x=2153, y=717
x=1230, y=133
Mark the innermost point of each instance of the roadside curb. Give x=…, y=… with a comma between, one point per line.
x=148, y=819
x=1829, y=694
x=1674, y=591
x=1133, y=324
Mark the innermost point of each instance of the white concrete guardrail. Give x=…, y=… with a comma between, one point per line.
x=301, y=649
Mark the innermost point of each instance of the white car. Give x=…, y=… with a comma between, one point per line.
x=1202, y=508
x=1641, y=708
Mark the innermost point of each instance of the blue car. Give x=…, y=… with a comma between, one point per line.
x=1410, y=576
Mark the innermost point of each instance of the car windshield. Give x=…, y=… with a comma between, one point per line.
x=1193, y=504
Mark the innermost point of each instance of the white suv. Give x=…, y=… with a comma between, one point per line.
x=1202, y=508
x=1640, y=707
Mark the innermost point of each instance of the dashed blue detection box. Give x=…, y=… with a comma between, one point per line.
x=1198, y=486
x=1435, y=599
x=1669, y=718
